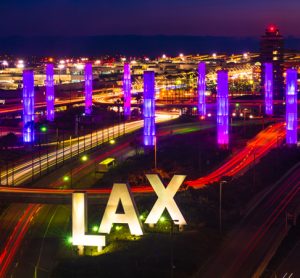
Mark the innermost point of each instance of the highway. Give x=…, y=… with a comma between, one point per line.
x=18, y=221
x=39, y=253
x=263, y=142
x=74, y=147
x=12, y=108
x=289, y=268
x=236, y=165
x=249, y=247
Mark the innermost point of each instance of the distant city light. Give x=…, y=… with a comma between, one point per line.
x=245, y=55
x=61, y=66
x=127, y=90
x=20, y=64
x=222, y=108
x=201, y=89
x=149, y=108
x=233, y=114
x=269, y=89
x=214, y=55
x=62, y=62
x=164, y=56
x=49, y=82
x=28, y=106
x=112, y=141
x=133, y=62
x=291, y=107
x=88, y=78
x=123, y=59
x=79, y=66
x=97, y=62
x=146, y=59
x=181, y=55
x=5, y=63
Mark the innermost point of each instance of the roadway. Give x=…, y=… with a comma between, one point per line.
x=16, y=221
x=72, y=148
x=289, y=267
x=236, y=165
x=143, y=189
x=13, y=108
x=249, y=247
x=39, y=253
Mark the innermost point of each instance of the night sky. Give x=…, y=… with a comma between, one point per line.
x=147, y=17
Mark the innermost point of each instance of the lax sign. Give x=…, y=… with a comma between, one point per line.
x=121, y=193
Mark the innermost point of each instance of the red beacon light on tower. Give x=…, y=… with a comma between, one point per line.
x=272, y=29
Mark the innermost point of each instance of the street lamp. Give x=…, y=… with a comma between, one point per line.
x=84, y=158
x=155, y=152
x=220, y=205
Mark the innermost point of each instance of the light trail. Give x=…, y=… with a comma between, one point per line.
x=23, y=172
x=17, y=108
x=239, y=163
x=14, y=241
x=276, y=204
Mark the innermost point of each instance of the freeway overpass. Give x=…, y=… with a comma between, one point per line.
x=59, y=196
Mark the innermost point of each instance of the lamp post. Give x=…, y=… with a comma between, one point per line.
x=155, y=152
x=172, y=222
x=220, y=205
x=254, y=165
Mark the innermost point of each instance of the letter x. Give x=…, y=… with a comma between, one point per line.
x=165, y=199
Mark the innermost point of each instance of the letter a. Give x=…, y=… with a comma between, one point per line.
x=120, y=193
x=165, y=199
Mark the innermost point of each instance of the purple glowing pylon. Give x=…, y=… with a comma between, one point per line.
x=149, y=108
x=28, y=106
x=127, y=90
x=222, y=108
x=50, y=92
x=201, y=89
x=88, y=77
x=291, y=107
x=269, y=89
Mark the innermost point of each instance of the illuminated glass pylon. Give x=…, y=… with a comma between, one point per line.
x=269, y=89
x=127, y=90
x=88, y=77
x=201, y=89
x=222, y=108
x=28, y=106
x=50, y=92
x=149, y=108
x=291, y=107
